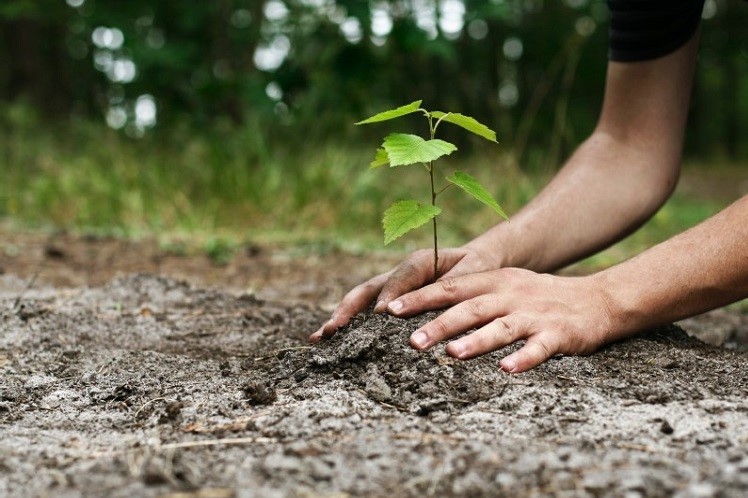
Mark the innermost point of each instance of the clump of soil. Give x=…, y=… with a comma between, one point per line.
x=154, y=387
x=372, y=355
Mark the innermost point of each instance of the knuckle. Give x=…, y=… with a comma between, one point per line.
x=412, y=263
x=505, y=332
x=407, y=267
x=474, y=308
x=367, y=288
x=421, y=255
x=448, y=285
x=409, y=270
x=439, y=330
x=545, y=350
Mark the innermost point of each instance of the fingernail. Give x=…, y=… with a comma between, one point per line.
x=419, y=339
x=325, y=330
x=395, y=306
x=508, y=365
x=456, y=349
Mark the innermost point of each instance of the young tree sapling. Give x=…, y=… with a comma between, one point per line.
x=399, y=149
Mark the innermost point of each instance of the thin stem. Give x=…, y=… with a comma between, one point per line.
x=433, y=220
x=432, y=128
x=445, y=187
x=434, y=193
x=438, y=122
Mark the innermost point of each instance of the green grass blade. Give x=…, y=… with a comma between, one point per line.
x=404, y=149
x=393, y=113
x=473, y=187
x=404, y=216
x=381, y=159
x=468, y=123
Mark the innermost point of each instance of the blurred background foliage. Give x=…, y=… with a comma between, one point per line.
x=156, y=115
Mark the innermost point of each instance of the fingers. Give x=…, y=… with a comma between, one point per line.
x=496, y=333
x=456, y=320
x=532, y=354
x=356, y=301
x=492, y=336
x=413, y=273
x=442, y=293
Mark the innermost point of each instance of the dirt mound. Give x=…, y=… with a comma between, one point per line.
x=148, y=386
x=372, y=355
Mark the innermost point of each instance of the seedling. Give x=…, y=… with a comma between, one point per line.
x=399, y=149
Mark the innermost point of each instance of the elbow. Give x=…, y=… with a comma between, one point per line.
x=647, y=168
x=664, y=168
x=664, y=180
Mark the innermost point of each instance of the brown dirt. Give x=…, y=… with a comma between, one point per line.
x=127, y=371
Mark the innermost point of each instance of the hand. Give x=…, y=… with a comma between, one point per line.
x=567, y=315
x=413, y=273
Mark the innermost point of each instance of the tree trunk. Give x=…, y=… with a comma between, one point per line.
x=35, y=64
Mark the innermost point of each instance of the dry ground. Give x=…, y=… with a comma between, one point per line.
x=129, y=371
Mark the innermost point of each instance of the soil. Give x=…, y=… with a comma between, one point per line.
x=127, y=371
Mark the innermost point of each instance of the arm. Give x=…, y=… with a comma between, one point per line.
x=701, y=269
x=615, y=180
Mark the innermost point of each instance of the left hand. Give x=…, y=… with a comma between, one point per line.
x=413, y=273
x=567, y=315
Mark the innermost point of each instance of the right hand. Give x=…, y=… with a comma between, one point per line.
x=413, y=273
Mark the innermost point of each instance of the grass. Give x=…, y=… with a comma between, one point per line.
x=225, y=187
x=220, y=185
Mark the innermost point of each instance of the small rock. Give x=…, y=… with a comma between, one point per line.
x=666, y=428
x=257, y=393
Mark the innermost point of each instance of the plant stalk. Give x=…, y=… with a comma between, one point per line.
x=433, y=221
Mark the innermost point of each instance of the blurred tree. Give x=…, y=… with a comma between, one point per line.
x=39, y=60
x=534, y=70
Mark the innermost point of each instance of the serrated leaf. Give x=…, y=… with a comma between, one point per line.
x=468, y=123
x=473, y=187
x=404, y=216
x=404, y=149
x=393, y=113
x=381, y=159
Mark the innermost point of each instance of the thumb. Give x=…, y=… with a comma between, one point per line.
x=415, y=272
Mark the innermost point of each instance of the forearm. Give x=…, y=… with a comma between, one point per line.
x=701, y=269
x=616, y=179
x=606, y=190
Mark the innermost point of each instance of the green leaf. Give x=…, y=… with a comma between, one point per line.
x=404, y=216
x=404, y=149
x=475, y=189
x=394, y=113
x=468, y=123
x=380, y=159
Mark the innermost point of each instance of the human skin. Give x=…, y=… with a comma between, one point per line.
x=612, y=184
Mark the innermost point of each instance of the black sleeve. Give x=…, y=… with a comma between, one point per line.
x=647, y=29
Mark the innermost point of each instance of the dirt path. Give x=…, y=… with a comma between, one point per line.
x=122, y=383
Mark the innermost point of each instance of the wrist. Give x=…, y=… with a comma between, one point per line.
x=495, y=246
x=629, y=310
